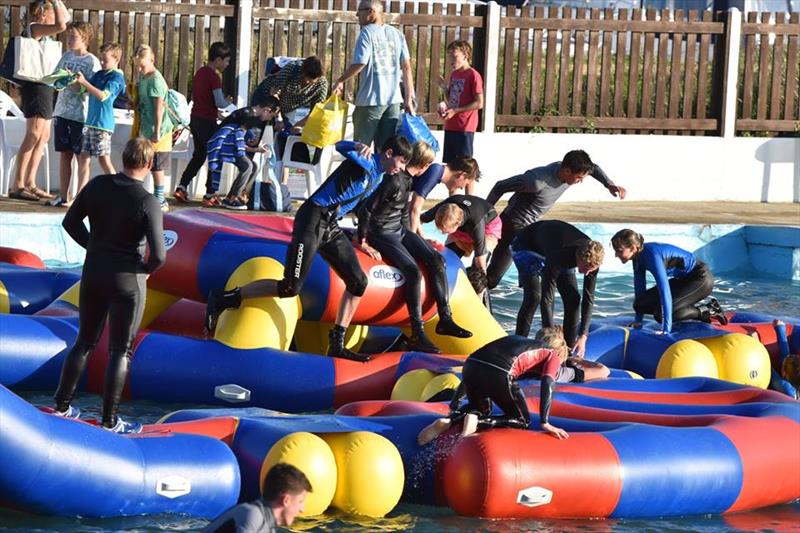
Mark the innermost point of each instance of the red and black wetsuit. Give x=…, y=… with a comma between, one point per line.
x=490, y=375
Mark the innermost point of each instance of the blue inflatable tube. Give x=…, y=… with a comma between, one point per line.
x=64, y=467
x=32, y=289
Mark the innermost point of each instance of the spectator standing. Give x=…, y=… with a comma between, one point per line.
x=381, y=58
x=71, y=106
x=45, y=19
x=464, y=99
x=208, y=99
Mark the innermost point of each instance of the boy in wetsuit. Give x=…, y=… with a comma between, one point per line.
x=546, y=254
x=490, y=375
x=471, y=222
x=535, y=192
x=382, y=222
x=316, y=229
x=122, y=216
x=283, y=497
x=460, y=173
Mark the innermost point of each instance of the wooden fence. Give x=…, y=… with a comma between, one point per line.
x=567, y=70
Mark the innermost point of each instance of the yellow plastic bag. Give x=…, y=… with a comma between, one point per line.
x=325, y=124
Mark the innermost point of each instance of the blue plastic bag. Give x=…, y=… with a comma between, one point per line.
x=414, y=128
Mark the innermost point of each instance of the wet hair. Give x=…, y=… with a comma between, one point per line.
x=423, y=155
x=592, y=253
x=467, y=165
x=449, y=215
x=477, y=278
x=84, y=29
x=790, y=369
x=578, y=162
x=553, y=338
x=399, y=146
x=218, y=50
x=626, y=238
x=112, y=48
x=283, y=479
x=463, y=46
x=37, y=9
x=138, y=154
x=311, y=68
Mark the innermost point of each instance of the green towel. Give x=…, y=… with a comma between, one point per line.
x=60, y=79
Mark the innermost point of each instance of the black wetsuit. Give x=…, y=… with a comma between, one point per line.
x=316, y=227
x=477, y=214
x=122, y=216
x=545, y=254
x=490, y=375
x=535, y=192
x=383, y=221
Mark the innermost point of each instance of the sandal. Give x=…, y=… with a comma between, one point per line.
x=41, y=193
x=23, y=194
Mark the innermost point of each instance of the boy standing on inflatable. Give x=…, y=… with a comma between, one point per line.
x=535, y=192
x=316, y=229
x=681, y=281
x=382, y=222
x=546, y=254
x=490, y=375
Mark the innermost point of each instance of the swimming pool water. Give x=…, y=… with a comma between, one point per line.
x=613, y=297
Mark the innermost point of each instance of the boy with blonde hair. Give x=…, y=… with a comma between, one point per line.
x=71, y=107
x=490, y=375
x=154, y=121
x=103, y=88
x=471, y=223
x=547, y=253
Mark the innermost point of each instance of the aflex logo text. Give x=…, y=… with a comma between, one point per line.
x=170, y=238
x=386, y=276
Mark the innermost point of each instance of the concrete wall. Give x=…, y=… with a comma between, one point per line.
x=654, y=167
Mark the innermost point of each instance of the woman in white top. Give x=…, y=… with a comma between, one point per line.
x=45, y=18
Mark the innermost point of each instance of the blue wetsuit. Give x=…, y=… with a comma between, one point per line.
x=316, y=223
x=681, y=282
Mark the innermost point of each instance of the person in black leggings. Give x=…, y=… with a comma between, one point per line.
x=122, y=215
x=383, y=223
x=490, y=375
x=546, y=254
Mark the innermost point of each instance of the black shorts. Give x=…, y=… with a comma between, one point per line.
x=37, y=100
x=457, y=144
x=68, y=135
x=161, y=161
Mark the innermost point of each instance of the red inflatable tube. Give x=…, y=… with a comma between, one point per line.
x=15, y=256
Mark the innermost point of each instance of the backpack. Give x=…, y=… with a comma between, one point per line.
x=270, y=196
x=178, y=109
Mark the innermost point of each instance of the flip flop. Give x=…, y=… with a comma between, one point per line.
x=23, y=194
x=41, y=193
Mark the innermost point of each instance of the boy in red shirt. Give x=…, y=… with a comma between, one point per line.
x=207, y=98
x=464, y=99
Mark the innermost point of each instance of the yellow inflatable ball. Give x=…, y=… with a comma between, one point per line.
x=740, y=358
x=440, y=383
x=411, y=384
x=314, y=458
x=687, y=358
x=371, y=474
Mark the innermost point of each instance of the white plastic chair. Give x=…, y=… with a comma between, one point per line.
x=315, y=174
x=12, y=131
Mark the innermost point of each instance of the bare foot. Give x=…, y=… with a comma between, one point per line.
x=470, y=424
x=433, y=430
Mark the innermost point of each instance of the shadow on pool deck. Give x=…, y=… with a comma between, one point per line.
x=616, y=211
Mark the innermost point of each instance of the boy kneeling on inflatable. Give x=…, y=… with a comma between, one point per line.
x=491, y=374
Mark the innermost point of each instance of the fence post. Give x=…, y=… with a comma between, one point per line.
x=491, y=53
x=244, y=49
x=730, y=87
